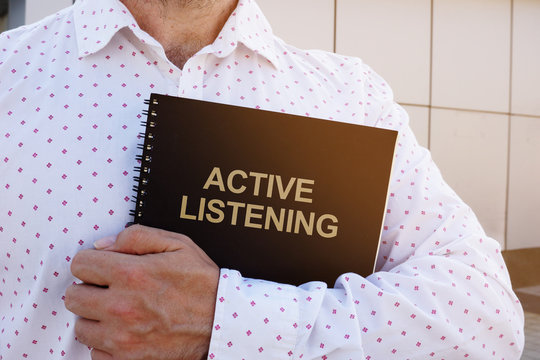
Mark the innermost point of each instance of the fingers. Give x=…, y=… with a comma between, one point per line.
x=86, y=301
x=96, y=267
x=100, y=355
x=142, y=240
x=90, y=333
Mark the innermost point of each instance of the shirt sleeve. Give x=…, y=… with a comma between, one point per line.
x=441, y=289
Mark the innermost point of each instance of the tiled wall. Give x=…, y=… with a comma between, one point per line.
x=468, y=73
x=36, y=9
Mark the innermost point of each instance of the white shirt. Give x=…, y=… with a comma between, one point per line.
x=71, y=95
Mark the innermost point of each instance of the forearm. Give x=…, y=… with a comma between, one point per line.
x=429, y=306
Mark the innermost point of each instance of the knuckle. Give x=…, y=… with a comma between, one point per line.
x=123, y=310
x=117, y=268
x=185, y=240
x=135, y=232
x=133, y=236
x=130, y=274
x=123, y=341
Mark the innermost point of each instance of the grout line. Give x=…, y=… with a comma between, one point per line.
x=430, y=75
x=411, y=104
x=525, y=115
x=471, y=110
x=507, y=198
x=506, y=213
x=335, y=25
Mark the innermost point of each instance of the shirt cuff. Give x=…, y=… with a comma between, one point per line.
x=254, y=318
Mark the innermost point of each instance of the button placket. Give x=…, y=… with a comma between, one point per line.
x=170, y=73
x=191, y=81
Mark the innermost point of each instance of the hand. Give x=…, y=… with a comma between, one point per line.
x=149, y=295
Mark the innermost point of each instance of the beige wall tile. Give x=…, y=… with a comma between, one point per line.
x=526, y=58
x=471, y=149
x=419, y=123
x=471, y=54
x=524, y=190
x=393, y=37
x=307, y=24
x=38, y=9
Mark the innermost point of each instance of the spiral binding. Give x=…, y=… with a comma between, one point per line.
x=145, y=160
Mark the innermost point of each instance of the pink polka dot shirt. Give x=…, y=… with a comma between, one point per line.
x=71, y=98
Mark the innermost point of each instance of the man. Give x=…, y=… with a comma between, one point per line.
x=71, y=91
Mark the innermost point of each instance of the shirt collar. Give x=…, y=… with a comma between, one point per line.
x=98, y=21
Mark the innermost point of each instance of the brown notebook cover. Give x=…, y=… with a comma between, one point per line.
x=276, y=196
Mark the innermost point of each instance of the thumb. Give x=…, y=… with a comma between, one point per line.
x=142, y=240
x=105, y=243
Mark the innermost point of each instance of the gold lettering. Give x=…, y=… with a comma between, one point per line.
x=201, y=209
x=250, y=215
x=183, y=214
x=300, y=218
x=300, y=189
x=215, y=178
x=283, y=193
x=220, y=214
x=258, y=177
x=290, y=218
x=270, y=186
x=271, y=216
x=235, y=205
x=332, y=228
x=230, y=179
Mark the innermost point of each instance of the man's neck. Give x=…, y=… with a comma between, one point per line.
x=183, y=27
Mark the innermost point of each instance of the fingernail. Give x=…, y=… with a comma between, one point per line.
x=105, y=242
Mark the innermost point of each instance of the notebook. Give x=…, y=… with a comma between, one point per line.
x=275, y=196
